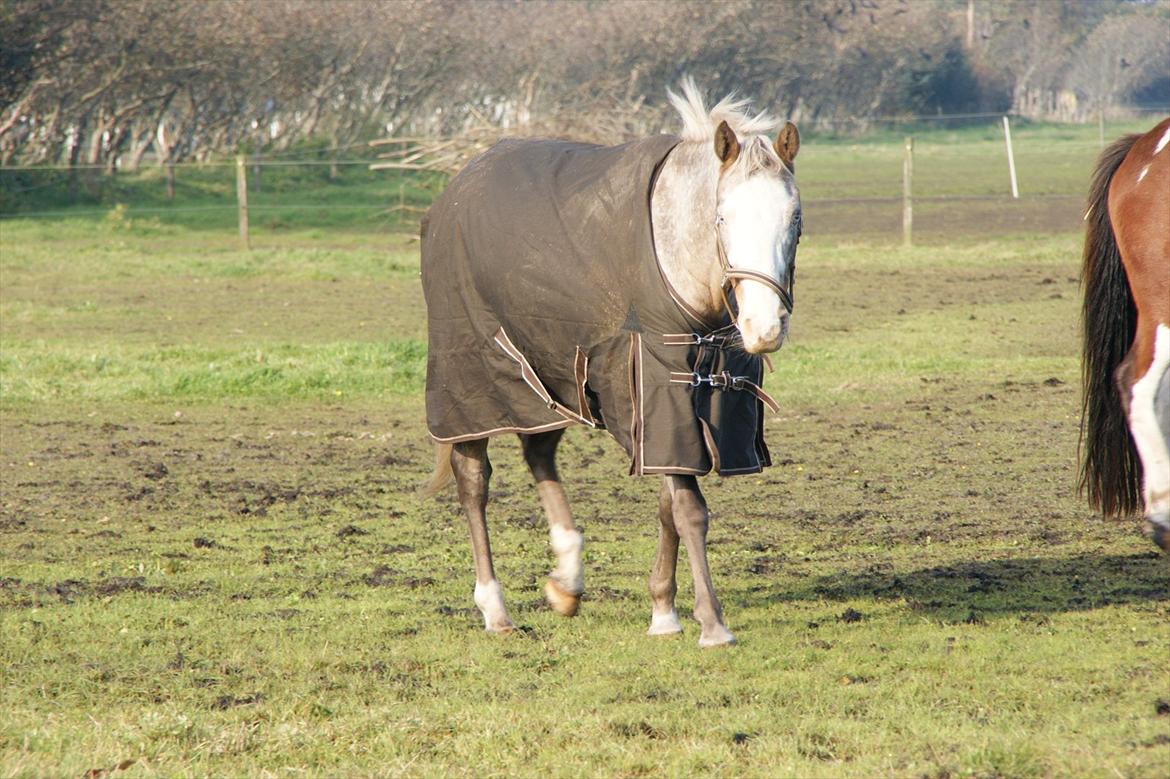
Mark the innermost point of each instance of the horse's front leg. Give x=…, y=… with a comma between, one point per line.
x=567, y=581
x=691, y=518
x=473, y=472
x=663, y=585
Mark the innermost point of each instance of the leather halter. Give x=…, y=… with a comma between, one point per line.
x=732, y=275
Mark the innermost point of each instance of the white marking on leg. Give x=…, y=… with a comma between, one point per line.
x=1142, y=175
x=664, y=624
x=1147, y=433
x=1165, y=139
x=490, y=599
x=567, y=544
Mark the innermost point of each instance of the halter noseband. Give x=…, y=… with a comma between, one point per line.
x=731, y=275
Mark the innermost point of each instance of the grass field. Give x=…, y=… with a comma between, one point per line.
x=212, y=562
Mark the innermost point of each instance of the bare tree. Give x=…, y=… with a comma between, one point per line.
x=1122, y=54
x=111, y=82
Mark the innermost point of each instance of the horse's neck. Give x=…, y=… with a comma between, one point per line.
x=682, y=208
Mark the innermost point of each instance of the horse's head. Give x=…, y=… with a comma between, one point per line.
x=757, y=224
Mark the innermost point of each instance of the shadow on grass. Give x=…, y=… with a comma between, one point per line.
x=1001, y=587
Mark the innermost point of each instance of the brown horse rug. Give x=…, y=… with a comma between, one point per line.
x=546, y=307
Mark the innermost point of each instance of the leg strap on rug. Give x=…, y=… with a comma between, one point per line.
x=725, y=381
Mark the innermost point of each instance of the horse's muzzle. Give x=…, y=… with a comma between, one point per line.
x=759, y=339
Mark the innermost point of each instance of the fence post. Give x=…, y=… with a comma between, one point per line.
x=1007, y=138
x=242, y=199
x=907, y=194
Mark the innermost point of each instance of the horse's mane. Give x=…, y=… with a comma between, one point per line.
x=699, y=122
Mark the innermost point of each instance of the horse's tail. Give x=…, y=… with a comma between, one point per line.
x=442, y=475
x=1110, y=468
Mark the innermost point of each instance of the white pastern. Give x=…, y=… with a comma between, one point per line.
x=664, y=624
x=567, y=545
x=1147, y=433
x=1165, y=139
x=756, y=214
x=490, y=599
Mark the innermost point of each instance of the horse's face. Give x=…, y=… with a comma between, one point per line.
x=758, y=225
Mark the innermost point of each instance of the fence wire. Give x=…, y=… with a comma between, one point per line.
x=845, y=183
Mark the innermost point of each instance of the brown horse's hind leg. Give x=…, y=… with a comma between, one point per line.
x=567, y=581
x=1148, y=410
x=663, y=584
x=690, y=518
x=473, y=471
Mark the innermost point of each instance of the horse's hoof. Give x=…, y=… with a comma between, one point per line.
x=1158, y=532
x=501, y=630
x=717, y=638
x=563, y=602
x=664, y=624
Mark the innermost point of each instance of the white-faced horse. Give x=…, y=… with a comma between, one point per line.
x=523, y=340
x=1125, y=431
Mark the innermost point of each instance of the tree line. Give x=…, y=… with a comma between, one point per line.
x=114, y=82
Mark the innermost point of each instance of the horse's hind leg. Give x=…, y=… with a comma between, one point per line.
x=567, y=581
x=691, y=518
x=1149, y=422
x=473, y=471
x=663, y=584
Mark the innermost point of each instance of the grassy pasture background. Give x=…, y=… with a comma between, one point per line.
x=211, y=561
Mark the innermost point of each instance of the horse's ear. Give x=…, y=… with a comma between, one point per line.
x=787, y=144
x=726, y=144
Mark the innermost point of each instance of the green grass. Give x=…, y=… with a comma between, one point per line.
x=290, y=197
x=212, y=560
x=38, y=372
x=971, y=161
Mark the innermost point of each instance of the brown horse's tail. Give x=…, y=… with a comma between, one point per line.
x=1110, y=469
x=442, y=475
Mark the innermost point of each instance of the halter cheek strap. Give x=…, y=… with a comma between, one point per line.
x=732, y=275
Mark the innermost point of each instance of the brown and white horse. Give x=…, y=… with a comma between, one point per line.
x=1125, y=428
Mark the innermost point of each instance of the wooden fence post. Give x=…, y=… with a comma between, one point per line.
x=242, y=199
x=907, y=194
x=1007, y=138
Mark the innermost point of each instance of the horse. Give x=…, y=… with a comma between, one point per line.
x=696, y=232
x=1125, y=427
